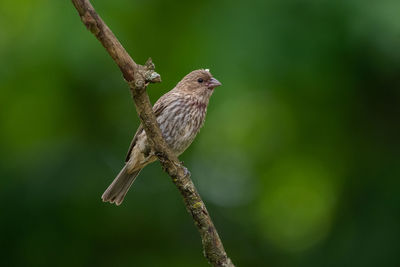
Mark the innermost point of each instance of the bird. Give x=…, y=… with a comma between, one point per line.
x=180, y=113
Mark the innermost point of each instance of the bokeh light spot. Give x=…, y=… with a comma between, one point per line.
x=296, y=205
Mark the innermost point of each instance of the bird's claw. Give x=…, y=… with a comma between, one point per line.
x=186, y=171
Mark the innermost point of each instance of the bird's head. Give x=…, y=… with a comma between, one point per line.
x=199, y=82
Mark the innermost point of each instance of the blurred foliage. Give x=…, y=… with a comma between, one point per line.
x=298, y=161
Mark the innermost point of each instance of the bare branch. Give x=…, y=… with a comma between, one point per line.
x=138, y=77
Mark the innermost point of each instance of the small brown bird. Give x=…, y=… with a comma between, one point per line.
x=180, y=114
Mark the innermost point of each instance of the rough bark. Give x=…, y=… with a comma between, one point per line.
x=138, y=77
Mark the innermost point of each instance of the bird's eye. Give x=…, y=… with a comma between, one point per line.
x=200, y=80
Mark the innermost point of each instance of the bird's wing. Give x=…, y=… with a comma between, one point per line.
x=158, y=108
x=139, y=130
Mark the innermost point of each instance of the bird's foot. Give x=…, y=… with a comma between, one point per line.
x=186, y=172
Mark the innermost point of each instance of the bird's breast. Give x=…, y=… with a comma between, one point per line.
x=181, y=121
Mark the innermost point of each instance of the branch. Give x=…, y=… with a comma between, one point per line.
x=138, y=77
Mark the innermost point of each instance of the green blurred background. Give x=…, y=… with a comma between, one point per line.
x=298, y=161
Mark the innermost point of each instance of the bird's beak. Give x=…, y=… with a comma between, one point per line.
x=213, y=83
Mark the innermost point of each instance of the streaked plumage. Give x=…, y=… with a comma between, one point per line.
x=180, y=114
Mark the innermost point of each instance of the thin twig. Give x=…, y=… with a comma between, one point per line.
x=138, y=77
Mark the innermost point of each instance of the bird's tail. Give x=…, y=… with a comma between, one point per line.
x=117, y=190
